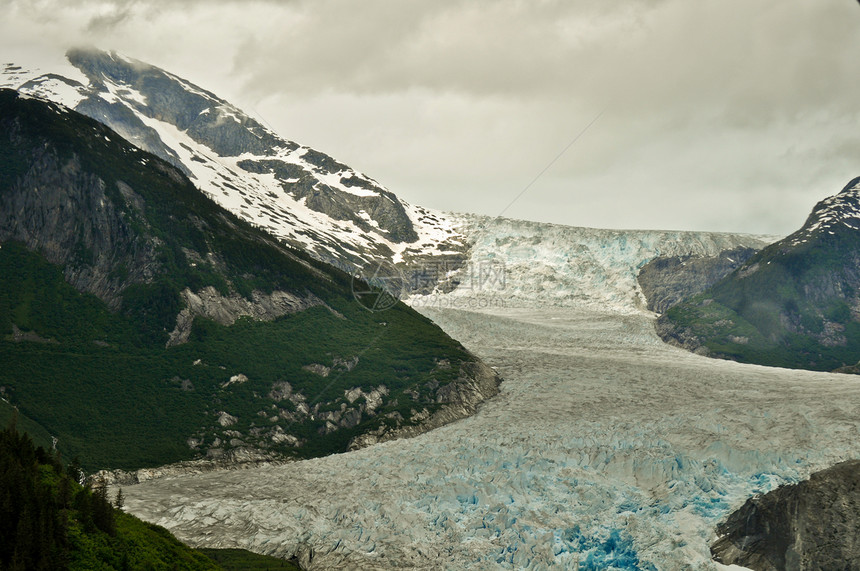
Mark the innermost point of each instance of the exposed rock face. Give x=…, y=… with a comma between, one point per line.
x=227, y=309
x=226, y=419
x=318, y=369
x=61, y=211
x=810, y=526
x=18, y=336
x=665, y=281
x=461, y=398
x=382, y=207
x=683, y=337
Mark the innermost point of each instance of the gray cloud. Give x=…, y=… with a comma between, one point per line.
x=717, y=111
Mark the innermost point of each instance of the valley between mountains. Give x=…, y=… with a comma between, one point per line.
x=606, y=449
x=179, y=283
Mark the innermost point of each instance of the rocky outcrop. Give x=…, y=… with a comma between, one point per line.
x=667, y=280
x=810, y=526
x=679, y=336
x=30, y=336
x=459, y=399
x=63, y=212
x=227, y=309
x=383, y=209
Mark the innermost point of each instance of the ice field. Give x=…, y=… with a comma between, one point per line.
x=606, y=449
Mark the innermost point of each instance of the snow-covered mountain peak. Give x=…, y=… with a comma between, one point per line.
x=298, y=194
x=838, y=212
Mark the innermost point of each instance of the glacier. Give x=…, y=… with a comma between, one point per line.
x=538, y=264
x=605, y=449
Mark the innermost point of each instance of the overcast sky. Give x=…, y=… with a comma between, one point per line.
x=728, y=115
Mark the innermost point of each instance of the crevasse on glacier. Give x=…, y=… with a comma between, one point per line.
x=605, y=449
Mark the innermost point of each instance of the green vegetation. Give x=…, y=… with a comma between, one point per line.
x=120, y=402
x=789, y=306
x=49, y=521
x=36, y=432
x=104, y=383
x=241, y=560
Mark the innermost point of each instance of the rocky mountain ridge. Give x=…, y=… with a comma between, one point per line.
x=298, y=194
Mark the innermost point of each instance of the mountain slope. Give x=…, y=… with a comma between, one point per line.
x=794, y=304
x=297, y=194
x=142, y=324
x=49, y=521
